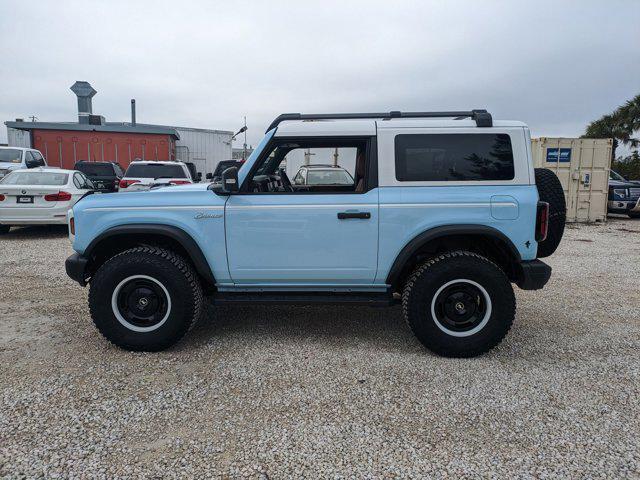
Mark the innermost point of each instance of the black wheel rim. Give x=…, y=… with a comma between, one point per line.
x=142, y=302
x=460, y=307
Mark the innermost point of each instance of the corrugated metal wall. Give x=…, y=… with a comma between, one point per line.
x=63, y=148
x=205, y=148
x=582, y=165
x=18, y=138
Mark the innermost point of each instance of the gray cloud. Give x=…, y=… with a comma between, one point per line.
x=554, y=65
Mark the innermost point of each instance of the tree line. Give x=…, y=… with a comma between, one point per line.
x=620, y=125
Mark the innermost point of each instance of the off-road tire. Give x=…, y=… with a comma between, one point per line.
x=550, y=191
x=429, y=277
x=4, y=229
x=165, y=267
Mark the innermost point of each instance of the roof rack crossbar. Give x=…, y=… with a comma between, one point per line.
x=481, y=116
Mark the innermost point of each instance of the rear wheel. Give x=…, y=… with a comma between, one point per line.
x=459, y=304
x=145, y=298
x=550, y=191
x=4, y=229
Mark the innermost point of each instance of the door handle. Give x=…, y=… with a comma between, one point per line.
x=347, y=215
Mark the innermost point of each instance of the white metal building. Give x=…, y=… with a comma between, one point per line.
x=205, y=148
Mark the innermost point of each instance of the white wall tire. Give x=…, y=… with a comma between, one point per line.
x=488, y=311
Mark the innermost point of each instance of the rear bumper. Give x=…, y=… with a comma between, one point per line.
x=76, y=267
x=533, y=275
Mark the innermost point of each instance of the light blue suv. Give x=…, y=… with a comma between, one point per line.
x=444, y=213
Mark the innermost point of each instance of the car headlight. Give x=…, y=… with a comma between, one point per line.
x=621, y=192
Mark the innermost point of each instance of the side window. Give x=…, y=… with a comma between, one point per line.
x=77, y=180
x=38, y=158
x=299, y=178
x=29, y=160
x=453, y=157
x=315, y=165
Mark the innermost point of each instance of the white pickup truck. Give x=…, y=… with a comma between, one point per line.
x=15, y=158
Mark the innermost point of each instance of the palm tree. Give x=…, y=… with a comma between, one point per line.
x=619, y=125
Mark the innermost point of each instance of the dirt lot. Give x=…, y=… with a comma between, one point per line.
x=325, y=391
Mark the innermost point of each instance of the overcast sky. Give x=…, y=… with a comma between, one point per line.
x=554, y=65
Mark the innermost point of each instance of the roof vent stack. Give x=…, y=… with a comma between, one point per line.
x=85, y=92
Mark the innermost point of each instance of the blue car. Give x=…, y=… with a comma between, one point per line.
x=443, y=214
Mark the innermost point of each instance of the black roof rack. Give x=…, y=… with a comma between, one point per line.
x=481, y=117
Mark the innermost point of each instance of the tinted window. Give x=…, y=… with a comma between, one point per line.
x=158, y=170
x=10, y=155
x=35, y=178
x=454, y=157
x=39, y=158
x=95, y=169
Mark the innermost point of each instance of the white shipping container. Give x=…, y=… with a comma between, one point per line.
x=582, y=165
x=205, y=148
x=18, y=138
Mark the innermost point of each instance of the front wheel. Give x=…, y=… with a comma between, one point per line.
x=459, y=304
x=4, y=229
x=145, y=298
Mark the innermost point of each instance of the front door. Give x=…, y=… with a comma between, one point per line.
x=321, y=233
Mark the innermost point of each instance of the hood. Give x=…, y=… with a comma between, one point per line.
x=192, y=195
x=10, y=165
x=618, y=183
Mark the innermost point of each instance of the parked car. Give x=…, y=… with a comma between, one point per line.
x=445, y=213
x=40, y=196
x=196, y=176
x=624, y=195
x=15, y=158
x=221, y=167
x=142, y=175
x=322, y=175
x=105, y=176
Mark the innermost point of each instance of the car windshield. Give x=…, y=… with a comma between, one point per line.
x=615, y=176
x=10, y=155
x=155, y=170
x=35, y=178
x=329, y=177
x=95, y=169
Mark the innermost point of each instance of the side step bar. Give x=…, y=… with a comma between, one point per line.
x=303, y=298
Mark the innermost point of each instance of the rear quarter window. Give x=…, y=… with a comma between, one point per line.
x=453, y=157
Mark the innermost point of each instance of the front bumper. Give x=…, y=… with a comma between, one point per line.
x=533, y=275
x=76, y=267
x=623, y=206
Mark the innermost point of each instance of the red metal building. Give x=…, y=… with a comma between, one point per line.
x=63, y=144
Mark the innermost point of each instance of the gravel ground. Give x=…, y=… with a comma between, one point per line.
x=325, y=391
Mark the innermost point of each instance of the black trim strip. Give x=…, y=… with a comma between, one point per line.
x=175, y=233
x=414, y=245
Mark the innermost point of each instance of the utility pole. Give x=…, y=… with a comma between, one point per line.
x=335, y=157
x=244, y=145
x=33, y=118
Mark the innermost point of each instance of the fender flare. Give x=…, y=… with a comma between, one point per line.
x=175, y=233
x=444, y=231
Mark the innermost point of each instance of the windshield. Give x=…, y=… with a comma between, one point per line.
x=328, y=177
x=35, y=178
x=95, y=169
x=616, y=176
x=155, y=170
x=10, y=155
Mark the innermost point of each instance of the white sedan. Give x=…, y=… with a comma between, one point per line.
x=40, y=196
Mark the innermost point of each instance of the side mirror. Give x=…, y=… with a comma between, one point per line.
x=230, y=180
x=32, y=163
x=208, y=176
